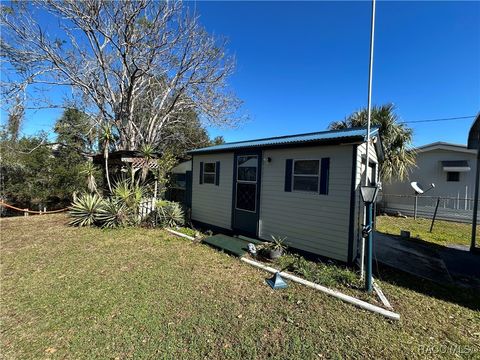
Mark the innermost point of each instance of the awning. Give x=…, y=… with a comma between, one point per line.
x=456, y=165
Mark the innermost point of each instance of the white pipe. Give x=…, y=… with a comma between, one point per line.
x=180, y=234
x=349, y=299
x=381, y=295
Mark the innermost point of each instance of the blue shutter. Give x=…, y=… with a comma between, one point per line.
x=288, y=175
x=217, y=173
x=324, y=176
x=200, y=181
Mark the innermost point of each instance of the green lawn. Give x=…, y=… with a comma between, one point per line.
x=444, y=232
x=141, y=293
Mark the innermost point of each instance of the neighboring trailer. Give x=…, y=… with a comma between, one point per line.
x=302, y=187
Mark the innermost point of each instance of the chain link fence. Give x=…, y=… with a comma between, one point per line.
x=449, y=208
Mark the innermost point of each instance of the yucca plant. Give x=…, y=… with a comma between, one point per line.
x=85, y=210
x=130, y=193
x=90, y=171
x=113, y=213
x=169, y=214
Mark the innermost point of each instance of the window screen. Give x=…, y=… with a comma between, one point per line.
x=306, y=175
x=209, y=173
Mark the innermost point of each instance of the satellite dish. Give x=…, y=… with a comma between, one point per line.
x=419, y=188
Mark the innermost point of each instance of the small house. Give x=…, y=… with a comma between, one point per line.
x=451, y=168
x=303, y=187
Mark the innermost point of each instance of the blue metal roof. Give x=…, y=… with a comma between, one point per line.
x=316, y=137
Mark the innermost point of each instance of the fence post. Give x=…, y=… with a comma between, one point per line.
x=434, y=214
x=415, y=208
x=25, y=212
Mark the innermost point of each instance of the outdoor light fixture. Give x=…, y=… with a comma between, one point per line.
x=369, y=193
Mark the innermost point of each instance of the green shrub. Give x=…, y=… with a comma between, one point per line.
x=188, y=231
x=171, y=214
x=130, y=193
x=113, y=213
x=327, y=274
x=166, y=214
x=85, y=210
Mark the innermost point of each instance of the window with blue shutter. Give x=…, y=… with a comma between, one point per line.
x=209, y=173
x=307, y=175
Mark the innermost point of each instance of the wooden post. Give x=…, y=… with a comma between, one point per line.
x=25, y=212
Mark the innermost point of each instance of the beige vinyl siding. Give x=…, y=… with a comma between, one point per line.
x=212, y=204
x=359, y=206
x=310, y=221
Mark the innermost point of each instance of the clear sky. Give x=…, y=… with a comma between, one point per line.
x=301, y=65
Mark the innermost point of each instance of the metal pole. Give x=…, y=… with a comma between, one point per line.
x=369, y=118
x=475, y=205
x=434, y=214
x=368, y=277
x=415, y=208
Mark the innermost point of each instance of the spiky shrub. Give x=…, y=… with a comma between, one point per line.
x=129, y=193
x=168, y=214
x=113, y=213
x=85, y=210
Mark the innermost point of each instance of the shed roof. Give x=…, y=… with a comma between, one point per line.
x=328, y=137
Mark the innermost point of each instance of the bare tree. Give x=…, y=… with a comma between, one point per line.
x=114, y=55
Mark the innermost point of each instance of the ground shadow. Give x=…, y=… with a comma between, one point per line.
x=451, y=274
x=467, y=297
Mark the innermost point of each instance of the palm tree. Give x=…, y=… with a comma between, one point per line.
x=107, y=139
x=396, y=139
x=147, y=151
x=89, y=170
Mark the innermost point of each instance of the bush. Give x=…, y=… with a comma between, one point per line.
x=85, y=210
x=130, y=193
x=113, y=213
x=166, y=214
x=92, y=209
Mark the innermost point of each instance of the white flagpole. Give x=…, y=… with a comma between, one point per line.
x=369, y=116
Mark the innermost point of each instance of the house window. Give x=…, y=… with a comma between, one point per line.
x=306, y=175
x=453, y=176
x=209, y=173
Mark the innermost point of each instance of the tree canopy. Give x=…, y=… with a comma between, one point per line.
x=114, y=56
x=396, y=139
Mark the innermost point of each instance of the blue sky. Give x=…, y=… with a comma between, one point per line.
x=301, y=65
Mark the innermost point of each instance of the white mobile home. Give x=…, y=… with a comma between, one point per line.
x=304, y=187
x=451, y=168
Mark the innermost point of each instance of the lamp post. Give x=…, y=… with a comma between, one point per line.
x=369, y=195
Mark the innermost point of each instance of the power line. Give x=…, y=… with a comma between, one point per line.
x=435, y=120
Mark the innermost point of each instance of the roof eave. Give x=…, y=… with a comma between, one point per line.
x=322, y=142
